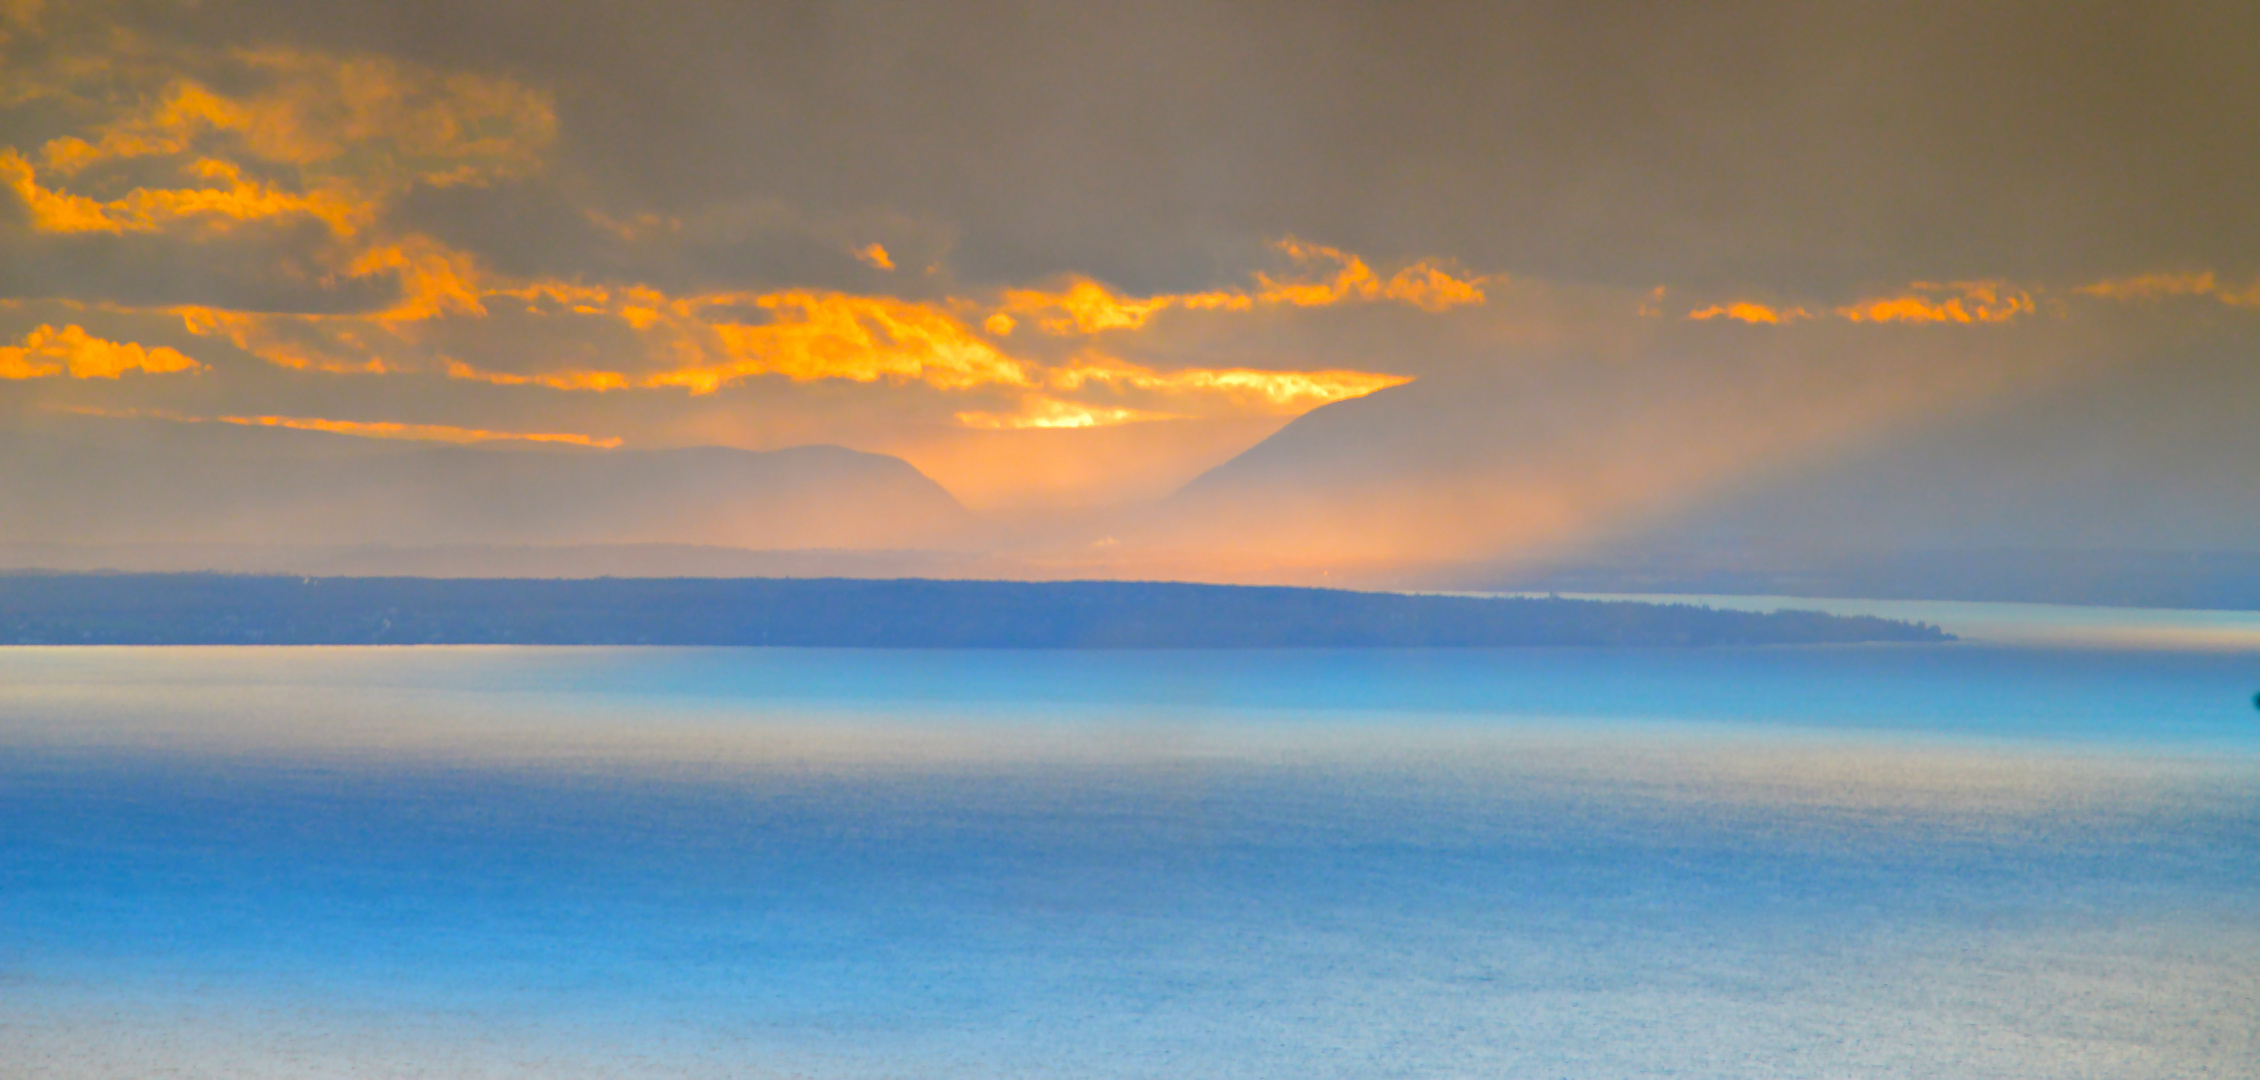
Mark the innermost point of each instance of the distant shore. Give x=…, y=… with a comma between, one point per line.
x=222, y=609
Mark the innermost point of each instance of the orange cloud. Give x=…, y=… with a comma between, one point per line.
x=1972, y=302
x=434, y=280
x=1087, y=307
x=280, y=339
x=403, y=120
x=2151, y=287
x=863, y=338
x=810, y=336
x=1958, y=302
x=227, y=198
x=310, y=135
x=177, y=140
x=563, y=380
x=363, y=429
x=294, y=135
x=379, y=122
x=420, y=432
x=1424, y=284
x=1429, y=288
x=551, y=297
x=1045, y=412
x=1267, y=391
x=705, y=342
x=866, y=339
x=1653, y=306
x=47, y=351
x=51, y=211
x=1744, y=311
x=1243, y=389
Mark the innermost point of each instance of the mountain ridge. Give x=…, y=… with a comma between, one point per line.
x=163, y=482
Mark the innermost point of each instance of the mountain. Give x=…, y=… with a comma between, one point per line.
x=1442, y=470
x=92, y=481
x=2124, y=470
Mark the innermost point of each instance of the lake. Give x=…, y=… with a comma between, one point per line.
x=2030, y=854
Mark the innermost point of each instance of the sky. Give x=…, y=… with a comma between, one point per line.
x=1062, y=256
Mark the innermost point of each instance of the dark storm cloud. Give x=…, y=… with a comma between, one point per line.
x=1819, y=147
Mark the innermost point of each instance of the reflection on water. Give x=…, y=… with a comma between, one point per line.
x=1930, y=861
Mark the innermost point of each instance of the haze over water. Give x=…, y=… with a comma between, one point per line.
x=1964, y=860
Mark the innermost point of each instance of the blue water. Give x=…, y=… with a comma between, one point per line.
x=1929, y=861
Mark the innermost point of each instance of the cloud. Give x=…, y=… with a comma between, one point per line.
x=311, y=134
x=391, y=122
x=192, y=142
x=1087, y=307
x=813, y=336
x=1251, y=390
x=223, y=198
x=367, y=429
x=434, y=281
x=1964, y=302
x=1978, y=302
x=326, y=343
x=861, y=338
x=1047, y=412
x=294, y=137
x=559, y=380
x=678, y=233
x=47, y=351
x=418, y=432
x=705, y=342
x=2152, y=287
x=1186, y=394
x=1744, y=311
x=1958, y=302
x=1424, y=284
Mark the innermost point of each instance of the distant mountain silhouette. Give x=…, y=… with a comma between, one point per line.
x=86, y=481
x=1441, y=469
x=1404, y=432
x=2060, y=472
x=2154, y=458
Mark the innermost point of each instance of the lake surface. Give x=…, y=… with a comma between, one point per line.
x=1970, y=860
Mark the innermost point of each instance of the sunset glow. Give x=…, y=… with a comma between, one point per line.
x=302, y=227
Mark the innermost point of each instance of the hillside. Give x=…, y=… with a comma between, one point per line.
x=87, y=481
x=207, y=609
